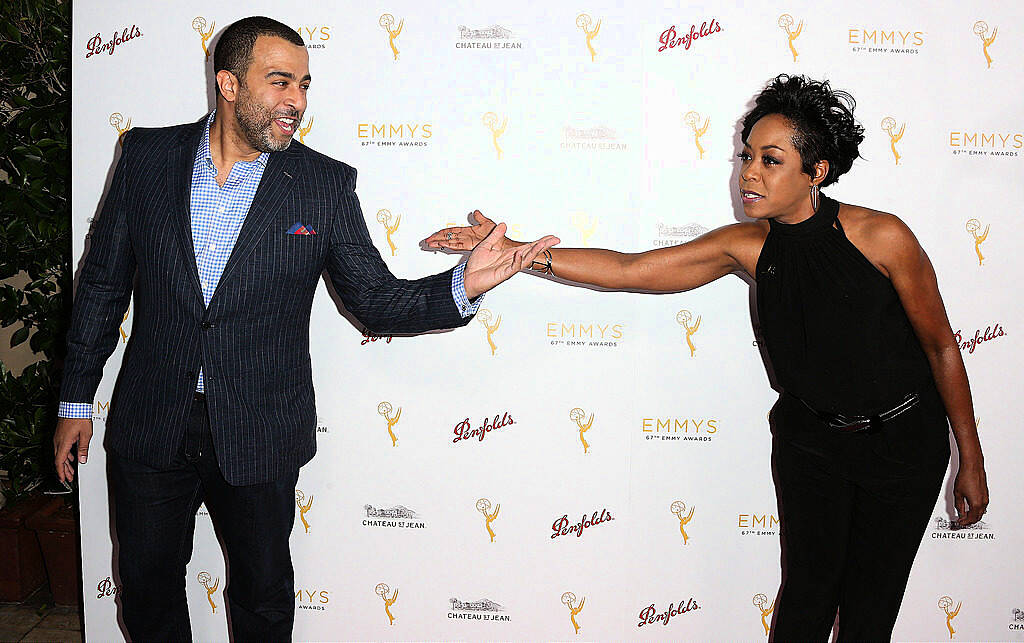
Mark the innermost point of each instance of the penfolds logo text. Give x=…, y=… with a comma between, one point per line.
x=979, y=337
x=370, y=336
x=649, y=615
x=669, y=39
x=97, y=46
x=561, y=527
x=106, y=587
x=464, y=432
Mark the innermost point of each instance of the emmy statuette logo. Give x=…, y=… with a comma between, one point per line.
x=760, y=600
x=585, y=22
x=124, y=335
x=121, y=125
x=205, y=579
x=577, y=415
x=484, y=317
x=305, y=130
x=692, y=119
x=679, y=508
x=973, y=225
x=483, y=505
x=384, y=218
x=382, y=590
x=981, y=31
x=585, y=225
x=387, y=22
x=888, y=125
x=569, y=600
x=303, y=508
x=490, y=119
x=945, y=603
x=199, y=26
x=786, y=24
x=685, y=319
x=384, y=410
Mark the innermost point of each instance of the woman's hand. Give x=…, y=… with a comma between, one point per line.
x=464, y=239
x=970, y=493
x=489, y=265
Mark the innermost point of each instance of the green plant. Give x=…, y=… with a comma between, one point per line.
x=35, y=229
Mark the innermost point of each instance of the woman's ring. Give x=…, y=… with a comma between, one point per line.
x=449, y=237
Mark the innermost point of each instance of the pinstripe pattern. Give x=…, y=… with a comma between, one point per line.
x=252, y=340
x=218, y=213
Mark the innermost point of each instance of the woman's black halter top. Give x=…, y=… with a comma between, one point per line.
x=833, y=325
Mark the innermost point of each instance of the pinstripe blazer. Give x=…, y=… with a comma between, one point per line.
x=252, y=342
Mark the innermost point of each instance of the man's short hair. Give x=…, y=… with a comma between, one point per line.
x=234, y=47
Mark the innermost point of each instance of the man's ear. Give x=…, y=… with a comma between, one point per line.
x=228, y=84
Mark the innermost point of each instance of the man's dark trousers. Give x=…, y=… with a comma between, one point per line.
x=155, y=512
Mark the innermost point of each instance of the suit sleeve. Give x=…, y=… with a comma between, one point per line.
x=381, y=301
x=104, y=287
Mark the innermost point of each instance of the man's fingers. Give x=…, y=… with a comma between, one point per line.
x=518, y=259
x=540, y=246
x=493, y=240
x=61, y=458
x=496, y=234
x=83, y=447
x=531, y=251
x=479, y=217
x=549, y=242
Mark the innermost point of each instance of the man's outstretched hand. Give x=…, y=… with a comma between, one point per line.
x=493, y=261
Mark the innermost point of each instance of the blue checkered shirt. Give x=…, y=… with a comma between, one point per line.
x=217, y=216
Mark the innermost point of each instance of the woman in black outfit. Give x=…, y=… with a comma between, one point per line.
x=862, y=350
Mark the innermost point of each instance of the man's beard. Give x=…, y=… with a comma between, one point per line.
x=257, y=123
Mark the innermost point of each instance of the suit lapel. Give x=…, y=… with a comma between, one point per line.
x=179, y=187
x=274, y=186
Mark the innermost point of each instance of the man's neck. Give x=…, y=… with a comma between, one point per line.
x=227, y=143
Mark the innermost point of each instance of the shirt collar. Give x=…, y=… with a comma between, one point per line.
x=204, y=156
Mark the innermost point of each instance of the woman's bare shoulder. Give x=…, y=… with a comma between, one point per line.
x=881, y=236
x=743, y=242
x=873, y=226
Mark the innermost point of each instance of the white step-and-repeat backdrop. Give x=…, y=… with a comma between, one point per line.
x=575, y=464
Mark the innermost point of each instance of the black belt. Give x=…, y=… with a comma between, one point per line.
x=864, y=423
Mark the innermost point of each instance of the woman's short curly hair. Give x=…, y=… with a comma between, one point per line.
x=821, y=117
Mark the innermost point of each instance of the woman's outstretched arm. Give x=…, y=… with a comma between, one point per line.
x=672, y=269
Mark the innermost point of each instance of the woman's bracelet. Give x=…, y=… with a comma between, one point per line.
x=544, y=267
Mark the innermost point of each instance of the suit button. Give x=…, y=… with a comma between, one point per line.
x=207, y=325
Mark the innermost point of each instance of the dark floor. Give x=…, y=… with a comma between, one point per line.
x=38, y=619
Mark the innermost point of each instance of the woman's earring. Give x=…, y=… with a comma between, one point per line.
x=815, y=193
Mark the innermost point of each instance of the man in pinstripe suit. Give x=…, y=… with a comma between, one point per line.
x=224, y=227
